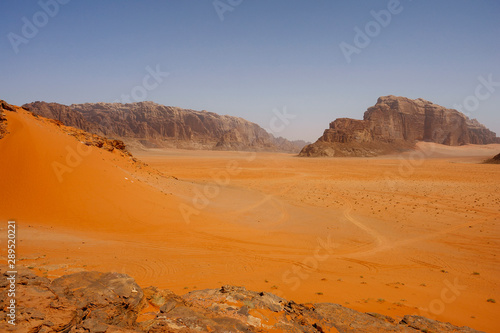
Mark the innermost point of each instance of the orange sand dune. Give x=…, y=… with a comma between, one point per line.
x=414, y=233
x=50, y=178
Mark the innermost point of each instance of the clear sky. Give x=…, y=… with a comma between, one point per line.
x=249, y=57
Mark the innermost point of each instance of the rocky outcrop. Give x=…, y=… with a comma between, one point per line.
x=4, y=106
x=83, y=136
x=395, y=124
x=63, y=114
x=112, y=302
x=494, y=160
x=153, y=125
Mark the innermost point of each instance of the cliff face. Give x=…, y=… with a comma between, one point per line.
x=395, y=124
x=153, y=125
x=64, y=114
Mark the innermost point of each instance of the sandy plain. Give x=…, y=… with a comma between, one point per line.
x=414, y=233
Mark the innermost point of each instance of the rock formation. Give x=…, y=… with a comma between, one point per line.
x=494, y=160
x=4, y=106
x=83, y=136
x=152, y=125
x=113, y=302
x=3, y=122
x=64, y=114
x=395, y=124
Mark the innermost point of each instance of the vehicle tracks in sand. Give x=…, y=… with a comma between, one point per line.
x=280, y=214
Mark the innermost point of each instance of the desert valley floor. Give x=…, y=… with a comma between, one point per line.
x=415, y=233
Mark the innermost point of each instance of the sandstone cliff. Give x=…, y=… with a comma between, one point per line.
x=113, y=302
x=64, y=114
x=153, y=125
x=395, y=124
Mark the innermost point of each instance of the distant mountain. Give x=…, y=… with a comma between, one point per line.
x=147, y=124
x=396, y=124
x=64, y=114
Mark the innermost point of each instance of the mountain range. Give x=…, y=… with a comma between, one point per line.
x=151, y=125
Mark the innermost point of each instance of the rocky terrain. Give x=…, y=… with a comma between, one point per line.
x=395, y=124
x=150, y=125
x=3, y=118
x=113, y=302
x=494, y=160
x=65, y=115
x=83, y=136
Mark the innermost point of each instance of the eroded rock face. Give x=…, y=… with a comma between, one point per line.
x=395, y=124
x=64, y=114
x=153, y=125
x=494, y=160
x=4, y=106
x=112, y=302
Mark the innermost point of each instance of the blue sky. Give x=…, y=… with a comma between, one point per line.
x=263, y=55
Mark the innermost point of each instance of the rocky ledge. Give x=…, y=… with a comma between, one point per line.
x=113, y=302
x=494, y=160
x=395, y=124
x=4, y=106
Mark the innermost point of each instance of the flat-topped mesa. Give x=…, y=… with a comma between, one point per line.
x=148, y=124
x=395, y=124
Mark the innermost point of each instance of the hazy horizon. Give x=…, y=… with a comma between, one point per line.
x=248, y=59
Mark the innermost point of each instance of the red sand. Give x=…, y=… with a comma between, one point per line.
x=395, y=235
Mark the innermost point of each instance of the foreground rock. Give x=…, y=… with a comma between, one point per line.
x=494, y=160
x=151, y=125
x=112, y=302
x=395, y=124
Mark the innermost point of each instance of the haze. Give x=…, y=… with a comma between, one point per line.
x=259, y=57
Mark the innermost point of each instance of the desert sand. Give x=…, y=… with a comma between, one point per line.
x=414, y=233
